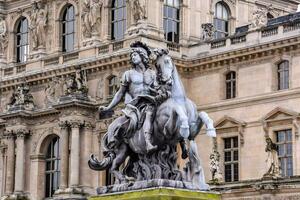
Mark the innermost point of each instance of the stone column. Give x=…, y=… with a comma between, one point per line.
x=20, y=162
x=75, y=153
x=10, y=173
x=64, y=146
x=87, y=151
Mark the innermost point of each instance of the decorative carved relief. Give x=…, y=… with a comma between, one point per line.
x=260, y=18
x=51, y=89
x=39, y=18
x=21, y=97
x=3, y=37
x=91, y=17
x=100, y=88
x=76, y=84
x=138, y=10
x=208, y=31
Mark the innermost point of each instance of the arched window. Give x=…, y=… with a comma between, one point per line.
x=221, y=20
x=52, y=167
x=283, y=75
x=171, y=20
x=112, y=85
x=22, y=45
x=118, y=19
x=230, y=85
x=68, y=29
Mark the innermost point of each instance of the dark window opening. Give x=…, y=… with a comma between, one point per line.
x=118, y=19
x=68, y=29
x=22, y=45
x=171, y=20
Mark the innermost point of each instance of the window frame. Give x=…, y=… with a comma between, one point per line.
x=232, y=163
x=219, y=33
x=64, y=29
x=285, y=157
x=55, y=164
x=115, y=10
x=230, y=83
x=23, y=35
x=113, y=85
x=174, y=21
x=283, y=75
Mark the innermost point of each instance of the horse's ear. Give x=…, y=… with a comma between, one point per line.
x=166, y=51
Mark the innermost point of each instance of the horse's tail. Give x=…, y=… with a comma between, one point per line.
x=104, y=164
x=109, y=156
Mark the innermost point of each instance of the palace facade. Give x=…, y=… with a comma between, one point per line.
x=239, y=61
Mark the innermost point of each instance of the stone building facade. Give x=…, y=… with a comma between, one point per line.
x=61, y=59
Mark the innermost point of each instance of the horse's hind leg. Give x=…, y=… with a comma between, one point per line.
x=120, y=158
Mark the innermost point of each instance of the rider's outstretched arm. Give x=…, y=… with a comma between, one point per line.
x=118, y=97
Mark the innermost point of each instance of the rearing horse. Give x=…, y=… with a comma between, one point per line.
x=176, y=119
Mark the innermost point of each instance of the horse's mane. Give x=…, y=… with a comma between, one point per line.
x=178, y=92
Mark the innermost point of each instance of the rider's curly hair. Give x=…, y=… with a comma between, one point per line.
x=143, y=50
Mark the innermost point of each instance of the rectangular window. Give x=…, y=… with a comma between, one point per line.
x=231, y=159
x=285, y=151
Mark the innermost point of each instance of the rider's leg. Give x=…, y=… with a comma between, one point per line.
x=147, y=127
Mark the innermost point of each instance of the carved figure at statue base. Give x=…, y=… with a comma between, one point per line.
x=157, y=116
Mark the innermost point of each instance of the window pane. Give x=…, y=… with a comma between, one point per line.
x=236, y=172
x=228, y=173
x=227, y=143
x=227, y=156
x=235, y=155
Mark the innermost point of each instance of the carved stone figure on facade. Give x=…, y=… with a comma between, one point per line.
x=21, y=98
x=157, y=116
x=215, y=165
x=272, y=160
x=76, y=84
x=208, y=31
x=260, y=18
x=100, y=89
x=138, y=9
x=91, y=17
x=50, y=92
x=39, y=17
x=3, y=37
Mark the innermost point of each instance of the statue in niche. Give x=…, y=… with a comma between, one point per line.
x=138, y=9
x=157, y=117
x=3, y=36
x=76, y=84
x=272, y=160
x=215, y=165
x=91, y=17
x=208, y=31
x=260, y=18
x=21, y=98
x=38, y=25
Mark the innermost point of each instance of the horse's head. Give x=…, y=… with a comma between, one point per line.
x=164, y=65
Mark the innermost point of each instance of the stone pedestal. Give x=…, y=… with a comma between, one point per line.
x=160, y=194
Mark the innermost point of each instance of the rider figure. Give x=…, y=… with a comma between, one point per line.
x=137, y=86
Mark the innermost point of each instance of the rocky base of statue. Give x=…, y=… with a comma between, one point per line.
x=159, y=193
x=70, y=193
x=15, y=197
x=139, y=185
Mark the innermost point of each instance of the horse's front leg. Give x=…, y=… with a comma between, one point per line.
x=210, y=130
x=120, y=158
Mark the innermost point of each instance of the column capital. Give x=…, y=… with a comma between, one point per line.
x=76, y=123
x=63, y=124
x=88, y=125
x=21, y=133
x=8, y=134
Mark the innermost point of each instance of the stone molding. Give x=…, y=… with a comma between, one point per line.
x=76, y=123
x=229, y=124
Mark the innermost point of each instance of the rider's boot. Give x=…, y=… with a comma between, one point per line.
x=184, y=149
x=149, y=146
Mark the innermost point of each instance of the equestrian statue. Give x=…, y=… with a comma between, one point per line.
x=157, y=117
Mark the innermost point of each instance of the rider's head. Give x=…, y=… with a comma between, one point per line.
x=142, y=50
